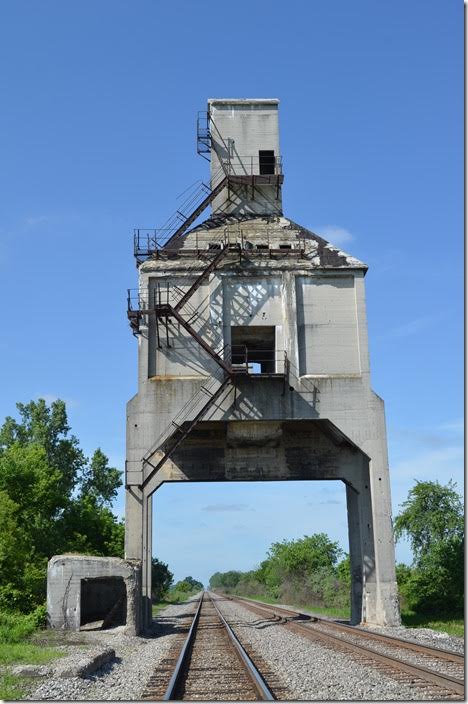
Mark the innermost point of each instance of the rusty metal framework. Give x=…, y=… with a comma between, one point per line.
x=165, y=304
x=169, y=304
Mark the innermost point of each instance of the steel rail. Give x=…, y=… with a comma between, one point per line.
x=441, y=653
x=169, y=693
x=448, y=682
x=255, y=676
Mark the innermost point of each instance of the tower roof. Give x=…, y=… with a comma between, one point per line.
x=265, y=232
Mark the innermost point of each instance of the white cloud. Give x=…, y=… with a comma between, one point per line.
x=221, y=508
x=439, y=464
x=35, y=220
x=454, y=426
x=50, y=398
x=335, y=234
x=412, y=327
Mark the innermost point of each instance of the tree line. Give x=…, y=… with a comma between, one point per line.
x=309, y=570
x=313, y=570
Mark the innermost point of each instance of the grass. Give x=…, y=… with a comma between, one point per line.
x=159, y=606
x=11, y=687
x=16, y=647
x=27, y=653
x=171, y=598
x=333, y=612
x=454, y=626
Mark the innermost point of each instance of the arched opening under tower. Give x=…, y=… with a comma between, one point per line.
x=201, y=528
x=280, y=451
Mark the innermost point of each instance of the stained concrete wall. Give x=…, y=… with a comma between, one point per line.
x=330, y=382
x=327, y=325
x=64, y=576
x=241, y=129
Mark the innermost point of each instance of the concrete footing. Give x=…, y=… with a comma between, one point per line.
x=85, y=590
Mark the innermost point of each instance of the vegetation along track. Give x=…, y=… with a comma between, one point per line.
x=432, y=670
x=210, y=665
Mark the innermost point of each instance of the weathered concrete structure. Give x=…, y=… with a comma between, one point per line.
x=253, y=356
x=83, y=589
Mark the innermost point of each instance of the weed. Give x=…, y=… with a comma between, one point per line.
x=11, y=687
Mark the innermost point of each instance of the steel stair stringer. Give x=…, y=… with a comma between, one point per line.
x=180, y=433
x=198, y=210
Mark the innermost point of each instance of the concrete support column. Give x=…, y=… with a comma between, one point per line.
x=370, y=612
x=133, y=524
x=147, y=558
x=138, y=543
x=355, y=554
x=387, y=599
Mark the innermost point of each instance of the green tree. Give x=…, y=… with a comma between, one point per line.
x=188, y=585
x=193, y=583
x=53, y=500
x=161, y=579
x=432, y=520
x=431, y=513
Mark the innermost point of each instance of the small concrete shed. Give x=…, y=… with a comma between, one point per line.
x=93, y=591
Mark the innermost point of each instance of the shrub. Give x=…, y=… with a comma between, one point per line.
x=15, y=627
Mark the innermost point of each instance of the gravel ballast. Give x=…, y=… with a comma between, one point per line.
x=425, y=636
x=308, y=670
x=125, y=677
x=312, y=671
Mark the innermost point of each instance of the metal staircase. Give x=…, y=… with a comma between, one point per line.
x=165, y=311
x=180, y=427
x=203, y=134
x=176, y=306
x=188, y=220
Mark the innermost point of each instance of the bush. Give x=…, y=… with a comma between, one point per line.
x=39, y=616
x=15, y=627
x=303, y=571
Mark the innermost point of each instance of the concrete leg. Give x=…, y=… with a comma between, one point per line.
x=387, y=606
x=380, y=594
x=133, y=524
x=370, y=612
x=138, y=544
x=355, y=554
x=147, y=559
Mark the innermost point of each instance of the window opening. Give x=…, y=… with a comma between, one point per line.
x=266, y=158
x=253, y=348
x=214, y=245
x=262, y=246
x=285, y=246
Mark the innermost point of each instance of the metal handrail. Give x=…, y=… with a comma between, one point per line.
x=150, y=240
x=249, y=165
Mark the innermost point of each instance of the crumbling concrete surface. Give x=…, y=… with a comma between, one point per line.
x=99, y=592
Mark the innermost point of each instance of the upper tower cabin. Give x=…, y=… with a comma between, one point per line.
x=244, y=145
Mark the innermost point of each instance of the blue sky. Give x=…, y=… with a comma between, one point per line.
x=98, y=137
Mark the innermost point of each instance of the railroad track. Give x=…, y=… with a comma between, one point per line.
x=427, y=668
x=211, y=664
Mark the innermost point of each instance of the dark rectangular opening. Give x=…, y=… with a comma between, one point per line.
x=103, y=602
x=253, y=348
x=285, y=246
x=266, y=158
x=262, y=246
x=214, y=245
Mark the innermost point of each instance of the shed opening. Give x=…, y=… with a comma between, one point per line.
x=103, y=602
